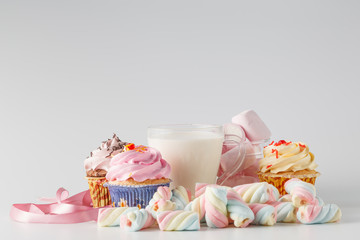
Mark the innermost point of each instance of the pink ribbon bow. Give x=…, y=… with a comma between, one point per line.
x=75, y=209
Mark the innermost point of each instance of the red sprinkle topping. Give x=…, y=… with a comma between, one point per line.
x=302, y=145
x=140, y=149
x=276, y=152
x=128, y=223
x=156, y=207
x=280, y=142
x=268, y=166
x=130, y=146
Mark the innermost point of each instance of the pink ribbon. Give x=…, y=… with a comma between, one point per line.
x=64, y=209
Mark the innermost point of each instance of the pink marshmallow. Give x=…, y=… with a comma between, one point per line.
x=234, y=129
x=251, y=156
x=240, y=179
x=247, y=173
x=228, y=158
x=255, y=129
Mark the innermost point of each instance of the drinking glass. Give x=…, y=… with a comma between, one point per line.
x=194, y=151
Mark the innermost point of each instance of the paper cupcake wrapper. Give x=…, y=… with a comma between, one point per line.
x=133, y=196
x=99, y=194
x=280, y=181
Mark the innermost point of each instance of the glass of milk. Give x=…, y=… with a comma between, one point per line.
x=192, y=150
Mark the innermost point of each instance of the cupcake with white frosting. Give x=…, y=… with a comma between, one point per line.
x=97, y=166
x=284, y=160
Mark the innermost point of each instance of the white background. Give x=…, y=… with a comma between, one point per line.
x=74, y=72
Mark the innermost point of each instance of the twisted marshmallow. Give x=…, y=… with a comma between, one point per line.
x=215, y=207
x=302, y=193
x=285, y=198
x=319, y=202
x=178, y=220
x=162, y=193
x=264, y=214
x=201, y=187
x=181, y=197
x=257, y=192
x=312, y=214
x=288, y=198
x=136, y=219
x=160, y=206
x=285, y=211
x=110, y=217
x=239, y=212
x=161, y=201
x=197, y=205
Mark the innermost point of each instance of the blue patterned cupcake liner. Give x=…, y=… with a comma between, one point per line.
x=132, y=196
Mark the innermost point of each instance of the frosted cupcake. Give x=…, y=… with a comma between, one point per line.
x=97, y=166
x=286, y=160
x=135, y=175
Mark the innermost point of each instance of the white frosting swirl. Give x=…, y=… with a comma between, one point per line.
x=287, y=156
x=100, y=157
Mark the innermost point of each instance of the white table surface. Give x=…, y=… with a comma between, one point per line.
x=347, y=228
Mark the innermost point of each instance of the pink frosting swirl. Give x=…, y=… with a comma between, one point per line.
x=140, y=164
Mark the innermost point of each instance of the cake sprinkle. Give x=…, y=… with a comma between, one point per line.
x=140, y=149
x=129, y=147
x=302, y=145
x=276, y=152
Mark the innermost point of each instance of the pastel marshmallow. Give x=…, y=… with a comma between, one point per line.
x=215, y=207
x=261, y=192
x=234, y=129
x=315, y=214
x=136, y=219
x=110, y=217
x=255, y=129
x=285, y=211
x=239, y=212
x=201, y=187
x=178, y=220
x=265, y=214
x=301, y=192
x=197, y=205
x=181, y=197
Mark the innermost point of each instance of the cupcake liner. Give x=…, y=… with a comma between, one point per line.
x=99, y=194
x=279, y=180
x=133, y=196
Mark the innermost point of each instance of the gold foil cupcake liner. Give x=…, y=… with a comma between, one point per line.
x=279, y=180
x=99, y=194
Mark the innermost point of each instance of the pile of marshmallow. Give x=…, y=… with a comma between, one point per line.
x=254, y=134
x=219, y=206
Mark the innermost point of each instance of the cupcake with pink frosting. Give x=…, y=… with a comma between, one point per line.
x=135, y=175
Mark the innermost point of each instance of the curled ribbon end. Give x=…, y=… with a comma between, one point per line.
x=61, y=195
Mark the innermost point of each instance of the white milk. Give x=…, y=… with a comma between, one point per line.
x=193, y=156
